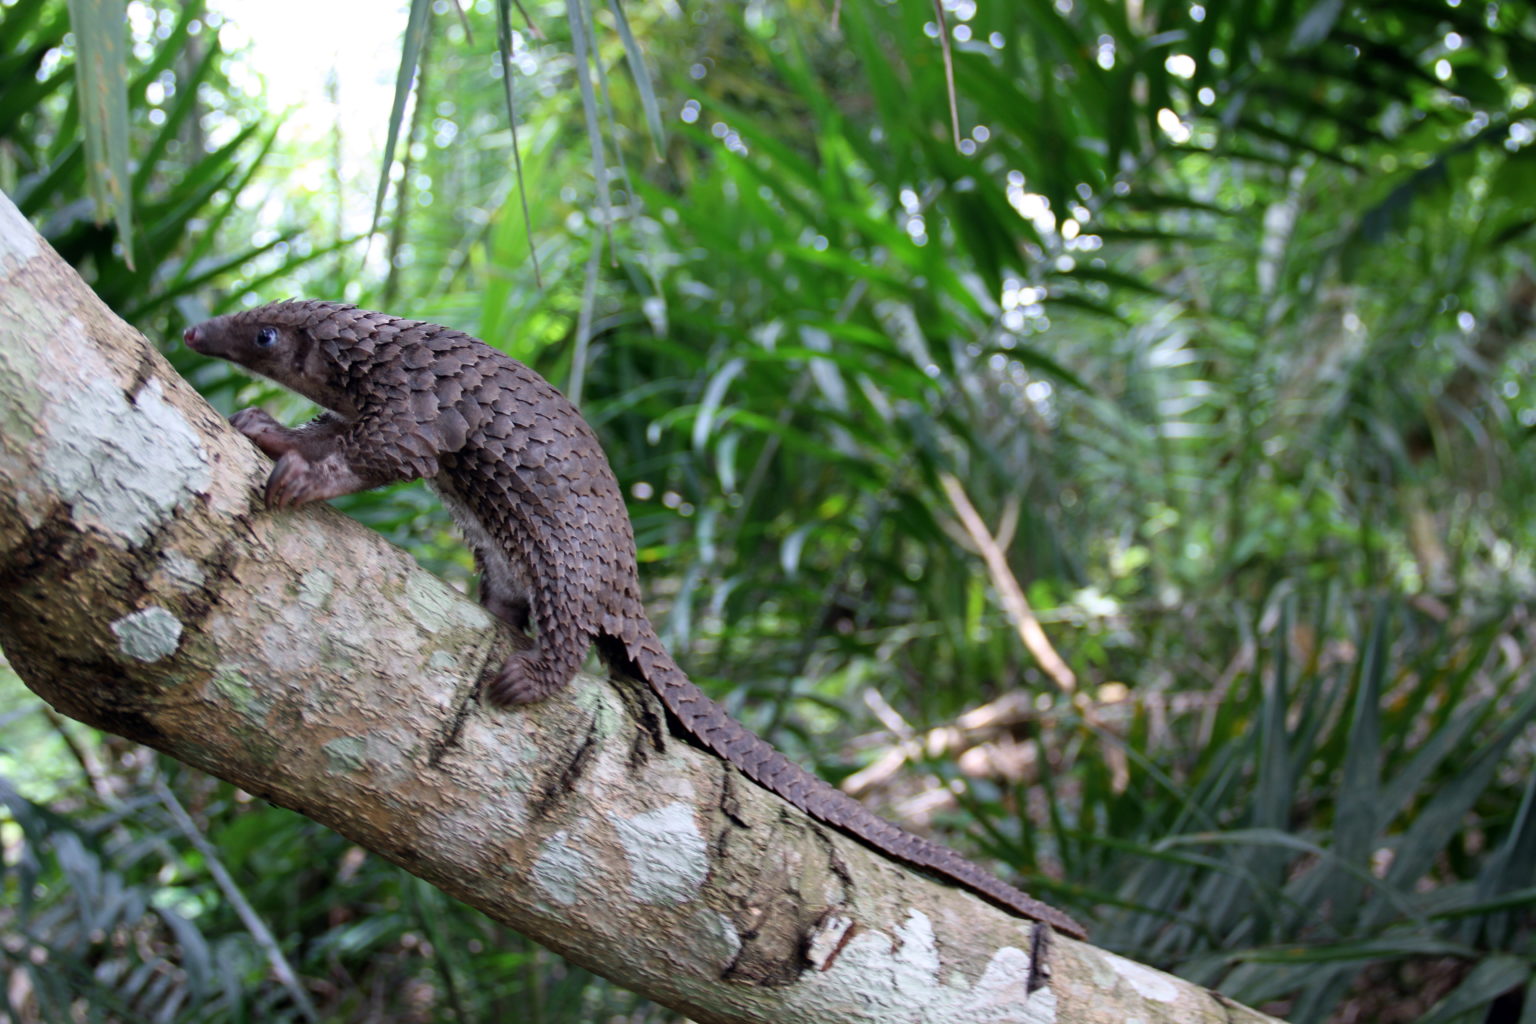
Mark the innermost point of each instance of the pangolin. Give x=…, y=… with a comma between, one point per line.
x=528, y=484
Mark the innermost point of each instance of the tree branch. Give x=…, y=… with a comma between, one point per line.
x=143, y=591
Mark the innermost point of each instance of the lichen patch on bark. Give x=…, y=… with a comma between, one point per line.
x=148, y=634
x=439, y=608
x=315, y=588
x=123, y=466
x=1005, y=982
x=181, y=571
x=881, y=976
x=668, y=855
x=230, y=685
x=346, y=753
x=20, y=408
x=562, y=869
x=20, y=241
x=1149, y=984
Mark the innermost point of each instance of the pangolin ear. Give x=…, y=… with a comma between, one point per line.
x=311, y=354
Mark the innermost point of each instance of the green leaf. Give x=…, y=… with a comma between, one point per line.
x=636, y=60
x=1315, y=25
x=100, y=28
x=416, y=29
x=1359, y=815
x=585, y=49
x=1489, y=979
x=1436, y=824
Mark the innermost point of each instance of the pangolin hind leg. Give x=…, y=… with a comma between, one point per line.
x=561, y=642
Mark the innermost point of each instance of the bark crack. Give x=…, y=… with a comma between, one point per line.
x=575, y=767
x=1039, y=958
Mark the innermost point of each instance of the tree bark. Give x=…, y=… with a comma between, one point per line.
x=144, y=591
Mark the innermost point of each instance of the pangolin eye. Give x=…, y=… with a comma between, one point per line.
x=266, y=337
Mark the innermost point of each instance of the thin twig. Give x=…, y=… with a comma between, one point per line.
x=533, y=29
x=248, y=916
x=504, y=33
x=949, y=70
x=458, y=8
x=1016, y=607
x=83, y=757
x=584, y=325
x=1015, y=604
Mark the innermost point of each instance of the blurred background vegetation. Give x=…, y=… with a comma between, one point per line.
x=1219, y=313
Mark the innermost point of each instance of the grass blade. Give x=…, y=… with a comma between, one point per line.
x=585, y=49
x=642, y=76
x=101, y=78
x=504, y=45
x=1359, y=785
x=410, y=51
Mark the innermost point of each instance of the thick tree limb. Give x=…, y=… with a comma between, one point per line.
x=144, y=591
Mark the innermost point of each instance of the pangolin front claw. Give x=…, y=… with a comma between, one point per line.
x=292, y=482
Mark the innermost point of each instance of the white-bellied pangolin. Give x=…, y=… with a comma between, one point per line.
x=528, y=483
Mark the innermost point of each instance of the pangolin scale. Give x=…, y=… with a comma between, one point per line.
x=528, y=483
